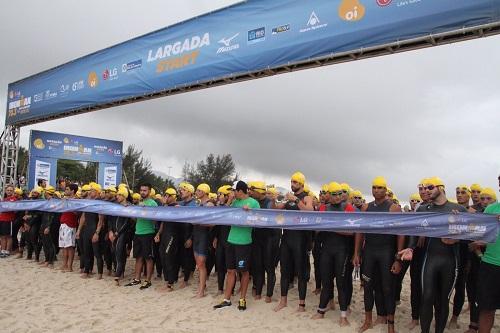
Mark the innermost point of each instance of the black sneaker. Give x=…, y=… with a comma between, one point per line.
x=134, y=282
x=222, y=304
x=242, y=304
x=145, y=285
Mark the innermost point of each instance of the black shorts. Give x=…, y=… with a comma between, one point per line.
x=488, y=287
x=238, y=257
x=143, y=246
x=5, y=228
x=201, y=237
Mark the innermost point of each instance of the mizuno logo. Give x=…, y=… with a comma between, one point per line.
x=227, y=41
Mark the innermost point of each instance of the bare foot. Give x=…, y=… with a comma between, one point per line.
x=343, y=322
x=182, y=284
x=317, y=291
x=380, y=320
x=99, y=277
x=412, y=324
x=257, y=297
x=199, y=295
x=268, y=299
x=318, y=315
x=84, y=276
x=301, y=308
x=165, y=289
x=117, y=282
x=453, y=324
x=280, y=306
x=366, y=326
x=51, y=266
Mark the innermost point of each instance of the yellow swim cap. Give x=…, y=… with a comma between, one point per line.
x=224, y=189
x=463, y=187
x=186, y=186
x=171, y=191
x=334, y=187
x=379, y=182
x=136, y=196
x=123, y=192
x=257, y=186
x=204, y=188
x=345, y=187
x=489, y=192
x=476, y=187
x=415, y=196
x=299, y=178
x=436, y=181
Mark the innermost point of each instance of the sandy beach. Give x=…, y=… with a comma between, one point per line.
x=36, y=299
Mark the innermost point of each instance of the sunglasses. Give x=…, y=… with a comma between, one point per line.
x=429, y=187
x=344, y=191
x=415, y=201
x=486, y=198
x=461, y=192
x=358, y=198
x=323, y=192
x=475, y=191
x=378, y=187
x=335, y=193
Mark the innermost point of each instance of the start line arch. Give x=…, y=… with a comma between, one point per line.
x=249, y=40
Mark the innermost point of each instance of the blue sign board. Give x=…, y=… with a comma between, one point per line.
x=247, y=37
x=48, y=147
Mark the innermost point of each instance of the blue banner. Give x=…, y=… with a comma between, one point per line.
x=48, y=147
x=457, y=226
x=248, y=37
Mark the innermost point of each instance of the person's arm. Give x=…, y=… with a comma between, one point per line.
x=306, y=204
x=358, y=241
x=160, y=230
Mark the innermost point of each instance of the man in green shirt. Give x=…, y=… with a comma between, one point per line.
x=239, y=250
x=143, y=241
x=488, y=288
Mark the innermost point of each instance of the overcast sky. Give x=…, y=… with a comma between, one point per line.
x=406, y=116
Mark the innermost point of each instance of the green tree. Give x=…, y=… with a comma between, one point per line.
x=214, y=170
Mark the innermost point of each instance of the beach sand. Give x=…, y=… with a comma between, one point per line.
x=39, y=299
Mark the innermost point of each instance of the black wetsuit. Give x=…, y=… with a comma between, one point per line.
x=221, y=233
x=265, y=249
x=439, y=273
x=335, y=255
x=120, y=226
x=169, y=248
x=294, y=255
x=185, y=255
x=34, y=241
x=378, y=257
x=91, y=249
x=49, y=249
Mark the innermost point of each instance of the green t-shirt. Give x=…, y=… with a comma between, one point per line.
x=143, y=226
x=492, y=254
x=242, y=235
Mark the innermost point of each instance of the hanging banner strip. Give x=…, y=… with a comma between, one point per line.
x=457, y=226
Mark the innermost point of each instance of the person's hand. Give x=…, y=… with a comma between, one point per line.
x=406, y=254
x=77, y=236
x=46, y=231
x=396, y=267
x=356, y=261
x=455, y=212
x=27, y=227
x=214, y=243
x=95, y=238
x=188, y=243
x=290, y=197
x=111, y=236
x=157, y=238
x=477, y=245
x=246, y=208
